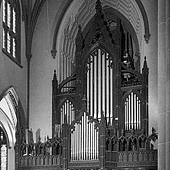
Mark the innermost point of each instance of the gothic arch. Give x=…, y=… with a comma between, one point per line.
x=61, y=14
x=12, y=111
x=112, y=14
x=12, y=124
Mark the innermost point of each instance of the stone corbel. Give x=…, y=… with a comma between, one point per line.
x=147, y=37
x=53, y=53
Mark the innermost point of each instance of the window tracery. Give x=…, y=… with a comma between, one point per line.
x=11, y=29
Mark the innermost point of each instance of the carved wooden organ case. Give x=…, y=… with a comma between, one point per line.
x=105, y=85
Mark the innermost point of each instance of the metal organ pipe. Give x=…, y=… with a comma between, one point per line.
x=132, y=112
x=135, y=127
x=111, y=92
x=100, y=85
x=129, y=113
x=84, y=143
x=137, y=114
x=100, y=97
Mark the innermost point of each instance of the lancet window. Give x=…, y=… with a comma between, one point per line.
x=11, y=29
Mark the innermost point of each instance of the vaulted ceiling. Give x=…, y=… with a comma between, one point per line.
x=80, y=12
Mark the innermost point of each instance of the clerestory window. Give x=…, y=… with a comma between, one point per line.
x=11, y=30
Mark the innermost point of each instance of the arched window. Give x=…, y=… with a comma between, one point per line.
x=11, y=29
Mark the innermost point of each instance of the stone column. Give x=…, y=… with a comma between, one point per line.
x=168, y=84
x=161, y=85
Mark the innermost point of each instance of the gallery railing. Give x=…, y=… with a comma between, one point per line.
x=123, y=152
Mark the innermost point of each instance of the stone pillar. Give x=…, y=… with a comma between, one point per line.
x=161, y=85
x=168, y=84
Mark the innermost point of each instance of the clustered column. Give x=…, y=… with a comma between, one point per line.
x=164, y=84
x=168, y=84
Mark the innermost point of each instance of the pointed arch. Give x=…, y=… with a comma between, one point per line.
x=12, y=111
x=12, y=122
x=64, y=7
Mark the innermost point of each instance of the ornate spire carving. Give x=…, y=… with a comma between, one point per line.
x=55, y=83
x=145, y=67
x=98, y=7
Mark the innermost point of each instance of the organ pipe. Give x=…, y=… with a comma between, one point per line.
x=67, y=109
x=100, y=98
x=100, y=85
x=84, y=143
x=132, y=112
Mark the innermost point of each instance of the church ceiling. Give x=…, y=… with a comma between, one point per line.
x=80, y=12
x=30, y=12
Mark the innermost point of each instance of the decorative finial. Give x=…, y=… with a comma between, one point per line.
x=145, y=65
x=55, y=83
x=54, y=76
x=98, y=6
x=147, y=37
x=53, y=53
x=145, y=58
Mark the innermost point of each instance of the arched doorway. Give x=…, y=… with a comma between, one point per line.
x=11, y=128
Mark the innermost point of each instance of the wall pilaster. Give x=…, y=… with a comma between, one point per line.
x=161, y=85
x=168, y=85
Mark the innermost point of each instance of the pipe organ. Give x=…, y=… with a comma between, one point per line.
x=105, y=95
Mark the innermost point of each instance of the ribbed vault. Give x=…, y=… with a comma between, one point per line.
x=80, y=12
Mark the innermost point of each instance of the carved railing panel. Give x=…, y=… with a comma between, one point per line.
x=111, y=156
x=33, y=161
x=142, y=158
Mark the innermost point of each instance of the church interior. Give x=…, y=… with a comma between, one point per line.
x=85, y=85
